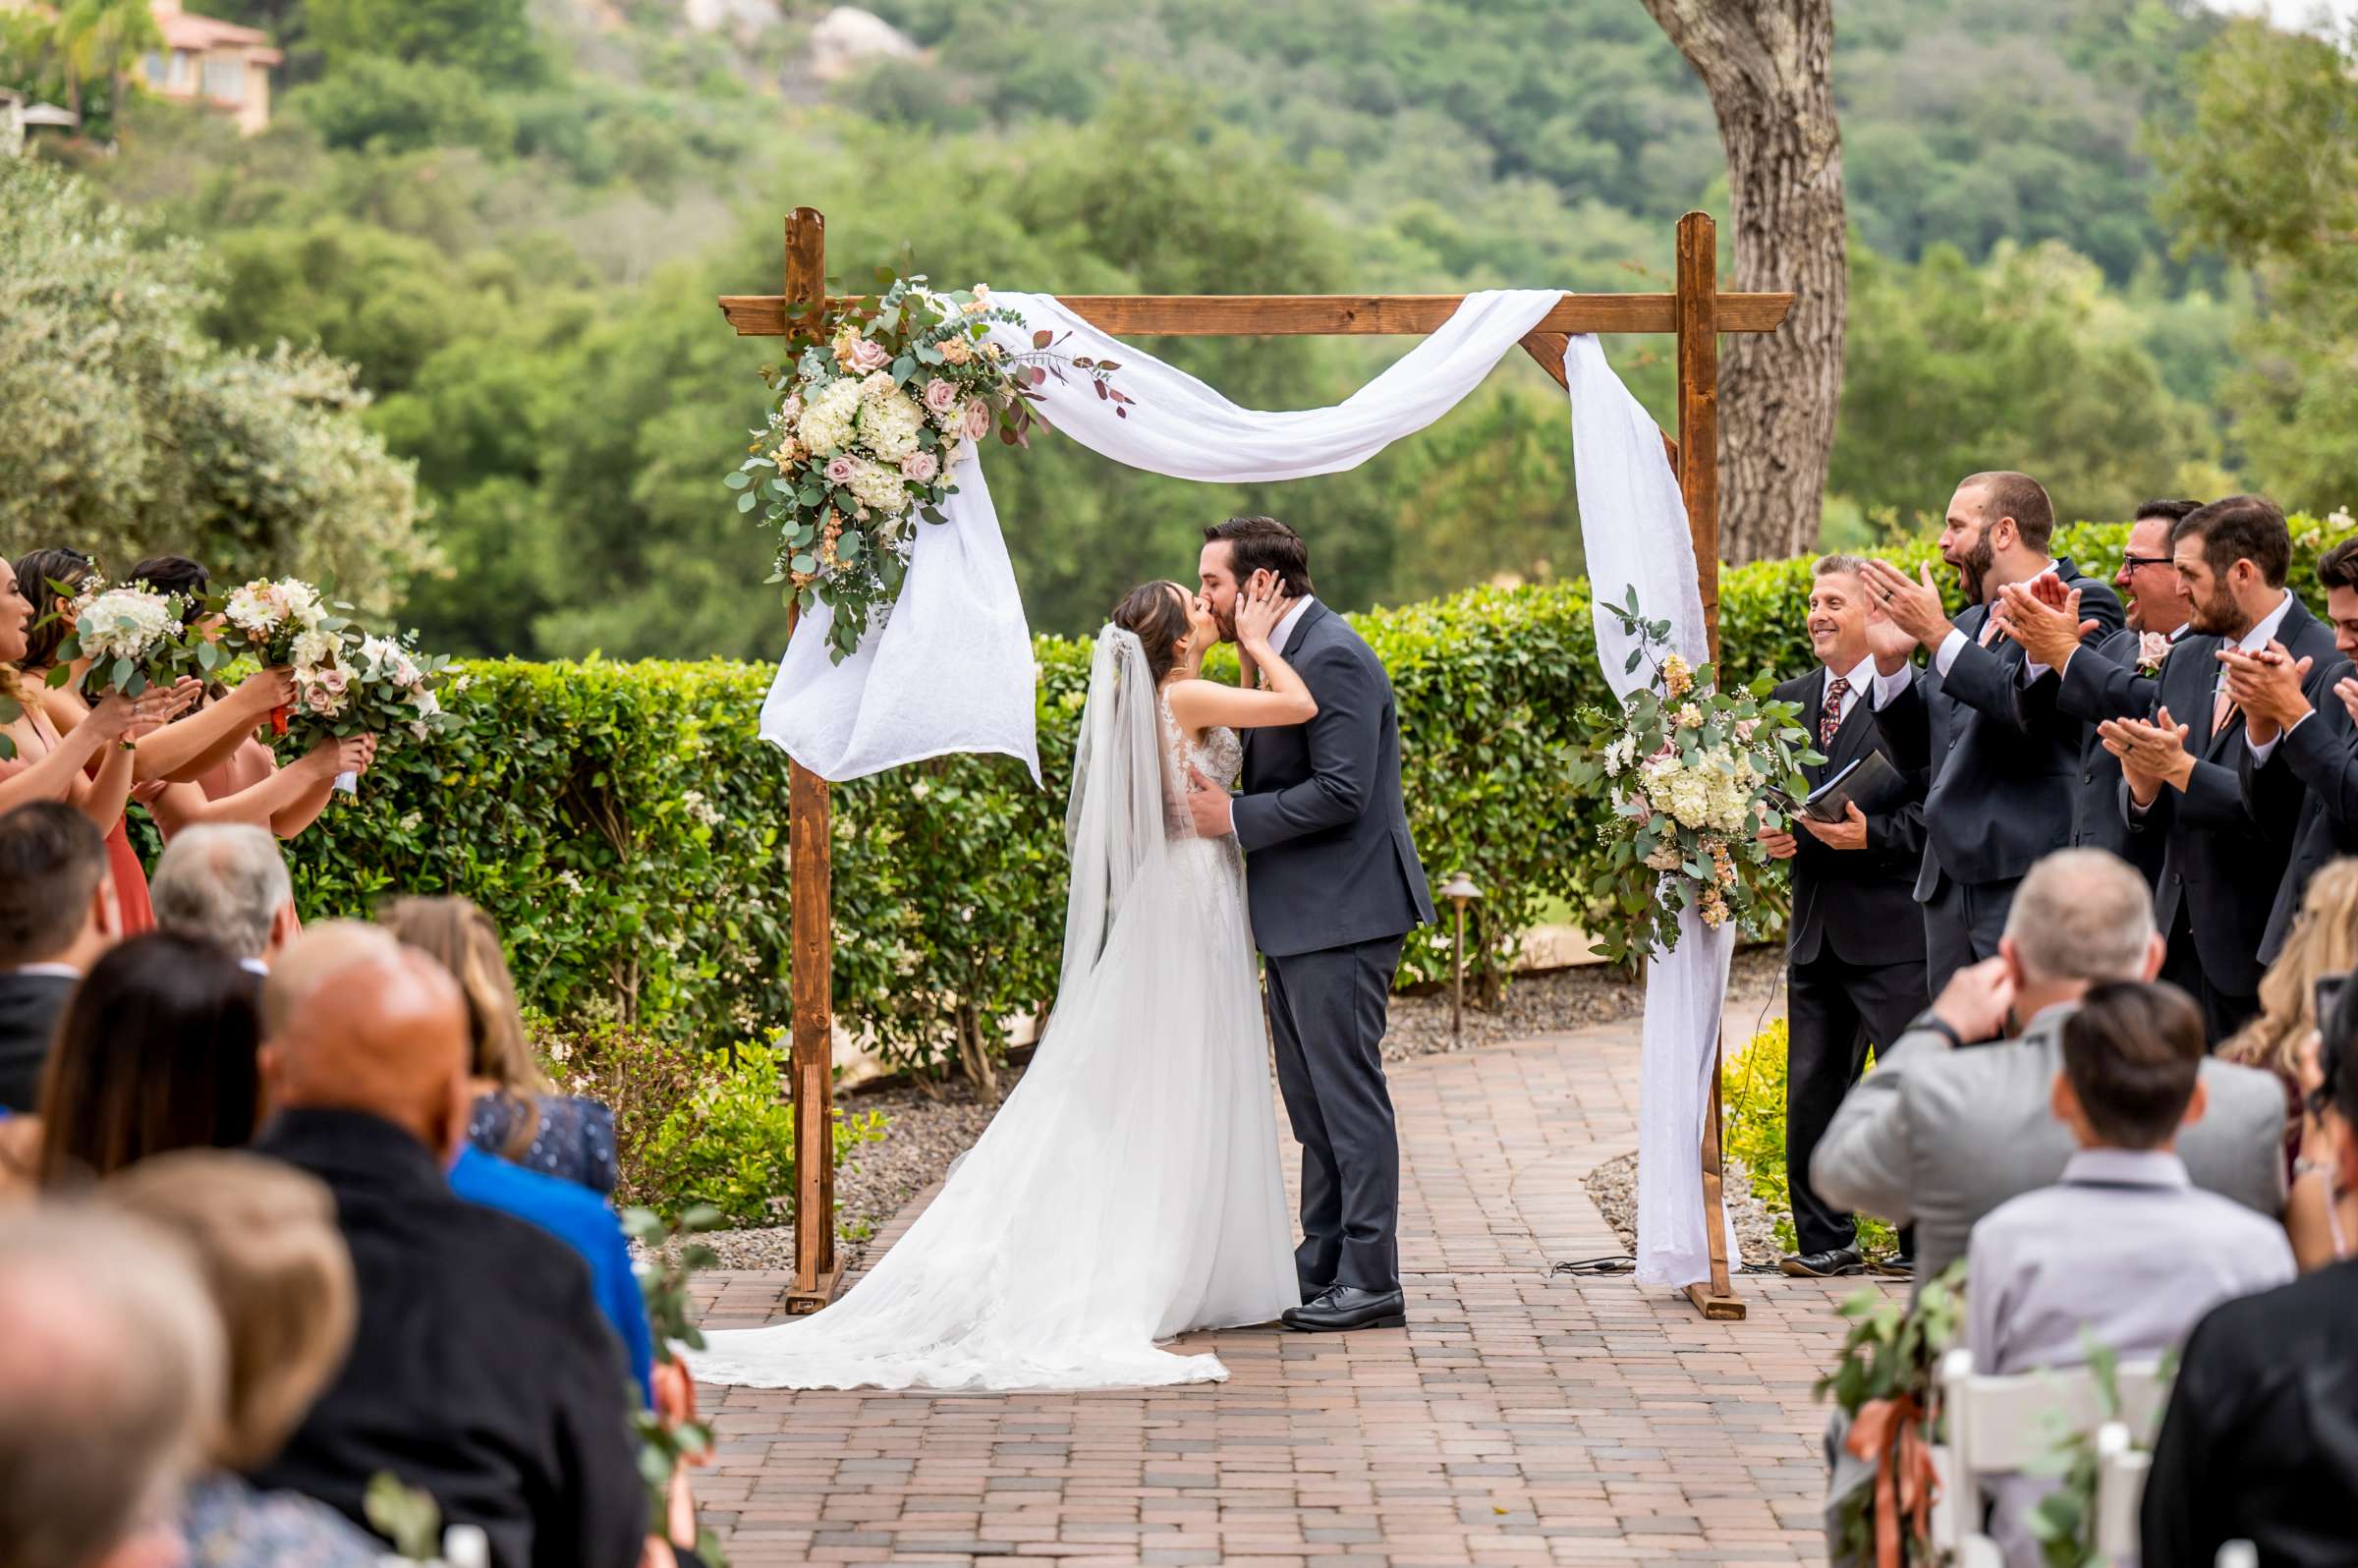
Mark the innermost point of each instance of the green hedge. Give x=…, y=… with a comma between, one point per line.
x=628, y=829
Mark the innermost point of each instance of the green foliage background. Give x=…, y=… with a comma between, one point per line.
x=627, y=829
x=508, y=219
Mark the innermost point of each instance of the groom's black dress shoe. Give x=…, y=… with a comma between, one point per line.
x=1344, y=1307
x=1832, y=1263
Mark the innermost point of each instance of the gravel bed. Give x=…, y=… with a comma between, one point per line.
x=1614, y=1186
x=925, y=1132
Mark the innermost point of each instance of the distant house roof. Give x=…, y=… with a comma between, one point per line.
x=49, y=114
x=185, y=30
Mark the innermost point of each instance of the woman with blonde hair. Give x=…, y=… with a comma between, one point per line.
x=2324, y=943
x=517, y=1116
x=264, y=1238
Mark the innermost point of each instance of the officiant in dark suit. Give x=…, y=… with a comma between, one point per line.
x=2002, y=762
x=1854, y=947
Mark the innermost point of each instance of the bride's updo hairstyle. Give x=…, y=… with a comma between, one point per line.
x=1156, y=614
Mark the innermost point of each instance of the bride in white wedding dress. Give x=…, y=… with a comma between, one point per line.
x=1129, y=1189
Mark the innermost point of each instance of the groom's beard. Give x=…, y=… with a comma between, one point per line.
x=1226, y=622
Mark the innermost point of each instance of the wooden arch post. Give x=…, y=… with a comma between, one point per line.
x=1696, y=313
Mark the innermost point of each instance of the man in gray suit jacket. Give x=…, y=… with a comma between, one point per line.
x=1941, y=1135
x=1334, y=886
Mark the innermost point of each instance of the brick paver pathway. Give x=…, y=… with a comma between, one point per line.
x=1520, y=1419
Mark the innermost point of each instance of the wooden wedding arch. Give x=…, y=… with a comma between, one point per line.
x=1696, y=312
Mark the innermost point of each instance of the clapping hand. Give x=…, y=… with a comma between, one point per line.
x=1913, y=603
x=2347, y=690
x=2049, y=633
x=2266, y=686
x=1260, y=606
x=2150, y=754
x=1886, y=640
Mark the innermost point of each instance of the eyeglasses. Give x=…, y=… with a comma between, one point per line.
x=2130, y=563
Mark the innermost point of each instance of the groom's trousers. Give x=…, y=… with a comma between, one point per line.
x=1326, y=1019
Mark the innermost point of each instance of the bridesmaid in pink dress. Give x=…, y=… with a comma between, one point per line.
x=84, y=768
x=247, y=784
x=180, y=750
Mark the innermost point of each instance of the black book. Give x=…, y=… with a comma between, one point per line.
x=1872, y=783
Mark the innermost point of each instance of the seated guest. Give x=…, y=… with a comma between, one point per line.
x=265, y=1236
x=2321, y=1215
x=227, y=883
x=113, y=1365
x=516, y=1116
x=156, y=1053
x=57, y=917
x=2322, y=942
x=1941, y=1135
x=480, y=1370
x=247, y=784
x=583, y=1221
x=2258, y=1443
x=2125, y=1247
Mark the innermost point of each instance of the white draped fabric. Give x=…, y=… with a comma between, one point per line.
x=953, y=668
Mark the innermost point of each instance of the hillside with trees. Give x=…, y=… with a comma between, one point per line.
x=508, y=218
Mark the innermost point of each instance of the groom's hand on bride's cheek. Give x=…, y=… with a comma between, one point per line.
x=1214, y=813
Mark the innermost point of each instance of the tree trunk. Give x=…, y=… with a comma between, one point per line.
x=1769, y=67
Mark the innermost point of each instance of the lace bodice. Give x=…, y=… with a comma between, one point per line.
x=1221, y=754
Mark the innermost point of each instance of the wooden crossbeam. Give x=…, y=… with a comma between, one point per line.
x=1203, y=315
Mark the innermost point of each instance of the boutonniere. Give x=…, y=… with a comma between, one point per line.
x=2151, y=648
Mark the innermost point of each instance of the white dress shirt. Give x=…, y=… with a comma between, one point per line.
x=1888, y=687
x=1862, y=679
x=2125, y=1247
x=2255, y=641
x=1284, y=631
x=55, y=970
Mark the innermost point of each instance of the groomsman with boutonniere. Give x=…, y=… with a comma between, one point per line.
x=2182, y=754
x=2043, y=616
x=2302, y=755
x=1854, y=947
x=2001, y=768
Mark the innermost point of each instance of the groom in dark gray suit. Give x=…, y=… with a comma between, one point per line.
x=1336, y=887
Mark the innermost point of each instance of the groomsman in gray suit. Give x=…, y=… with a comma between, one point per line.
x=1334, y=886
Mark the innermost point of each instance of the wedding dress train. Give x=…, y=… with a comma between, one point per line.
x=1129, y=1187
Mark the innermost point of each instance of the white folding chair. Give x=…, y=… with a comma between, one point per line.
x=1997, y=1424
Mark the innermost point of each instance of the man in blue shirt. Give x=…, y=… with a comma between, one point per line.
x=581, y=1219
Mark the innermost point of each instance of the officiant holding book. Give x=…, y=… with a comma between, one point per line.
x=1854, y=947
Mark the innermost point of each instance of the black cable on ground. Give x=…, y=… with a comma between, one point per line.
x=1611, y=1263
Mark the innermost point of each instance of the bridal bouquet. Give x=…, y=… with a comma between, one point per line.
x=868, y=429
x=367, y=685
x=1694, y=772
x=133, y=637
x=284, y=624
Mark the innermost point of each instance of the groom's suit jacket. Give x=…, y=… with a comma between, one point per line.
x=1322, y=812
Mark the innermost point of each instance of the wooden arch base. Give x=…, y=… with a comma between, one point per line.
x=1696, y=312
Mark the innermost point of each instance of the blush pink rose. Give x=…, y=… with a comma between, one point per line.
x=840, y=469
x=866, y=356
x=978, y=419
x=919, y=467
x=940, y=395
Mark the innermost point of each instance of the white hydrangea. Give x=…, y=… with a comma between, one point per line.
x=878, y=488
x=889, y=424
x=826, y=427
x=316, y=650
x=126, y=624
x=1620, y=755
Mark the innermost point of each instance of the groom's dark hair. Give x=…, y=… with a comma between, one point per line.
x=1265, y=544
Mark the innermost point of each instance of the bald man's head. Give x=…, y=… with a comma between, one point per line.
x=355, y=1021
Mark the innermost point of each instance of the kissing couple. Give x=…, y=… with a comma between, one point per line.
x=1129, y=1190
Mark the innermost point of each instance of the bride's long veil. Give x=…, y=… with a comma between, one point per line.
x=1119, y=818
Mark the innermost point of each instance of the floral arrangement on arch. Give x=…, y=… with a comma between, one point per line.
x=1694, y=773
x=869, y=426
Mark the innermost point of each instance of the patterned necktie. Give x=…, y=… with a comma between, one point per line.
x=1829, y=718
x=2221, y=707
